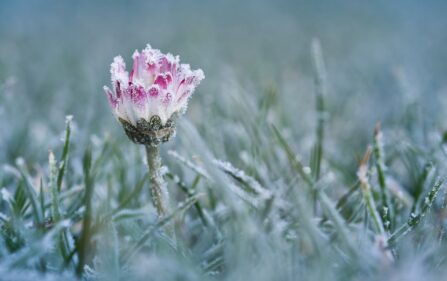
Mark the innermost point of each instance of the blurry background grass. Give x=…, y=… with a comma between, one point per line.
x=385, y=62
x=59, y=54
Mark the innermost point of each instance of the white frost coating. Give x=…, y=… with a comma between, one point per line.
x=157, y=85
x=20, y=162
x=189, y=164
x=163, y=170
x=241, y=175
x=118, y=71
x=6, y=195
x=8, y=169
x=4, y=217
x=307, y=170
x=68, y=119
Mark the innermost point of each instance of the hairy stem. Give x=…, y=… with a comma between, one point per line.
x=158, y=186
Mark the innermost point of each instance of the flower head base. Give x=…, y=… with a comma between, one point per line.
x=148, y=101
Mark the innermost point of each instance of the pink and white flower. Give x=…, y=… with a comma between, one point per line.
x=154, y=93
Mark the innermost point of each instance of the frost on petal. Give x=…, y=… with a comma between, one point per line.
x=163, y=80
x=118, y=89
x=116, y=104
x=168, y=63
x=165, y=65
x=119, y=75
x=154, y=91
x=184, y=95
x=195, y=78
x=167, y=98
x=198, y=77
x=134, y=71
x=112, y=99
x=186, y=86
x=127, y=107
x=140, y=74
x=188, y=83
x=152, y=56
x=151, y=68
x=118, y=71
x=158, y=85
x=137, y=95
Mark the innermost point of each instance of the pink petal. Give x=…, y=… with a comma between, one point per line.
x=118, y=70
x=188, y=84
x=186, y=94
x=112, y=100
x=151, y=68
x=134, y=67
x=165, y=64
x=197, y=77
x=168, y=77
x=153, y=92
x=163, y=80
x=118, y=89
x=167, y=98
x=137, y=95
x=138, y=65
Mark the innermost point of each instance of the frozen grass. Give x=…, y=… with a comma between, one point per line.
x=266, y=176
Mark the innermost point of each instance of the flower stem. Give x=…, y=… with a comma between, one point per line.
x=158, y=185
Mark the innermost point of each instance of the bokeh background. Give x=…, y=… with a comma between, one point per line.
x=381, y=56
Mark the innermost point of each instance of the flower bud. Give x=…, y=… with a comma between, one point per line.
x=148, y=101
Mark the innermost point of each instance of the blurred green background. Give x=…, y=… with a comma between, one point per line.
x=380, y=55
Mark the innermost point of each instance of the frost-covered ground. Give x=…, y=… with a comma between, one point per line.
x=265, y=212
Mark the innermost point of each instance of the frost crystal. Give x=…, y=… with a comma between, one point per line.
x=149, y=99
x=307, y=170
x=68, y=119
x=6, y=195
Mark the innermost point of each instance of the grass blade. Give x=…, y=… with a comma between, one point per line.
x=30, y=192
x=64, y=159
x=387, y=212
x=367, y=195
x=414, y=219
x=324, y=200
x=84, y=241
x=320, y=92
x=161, y=222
